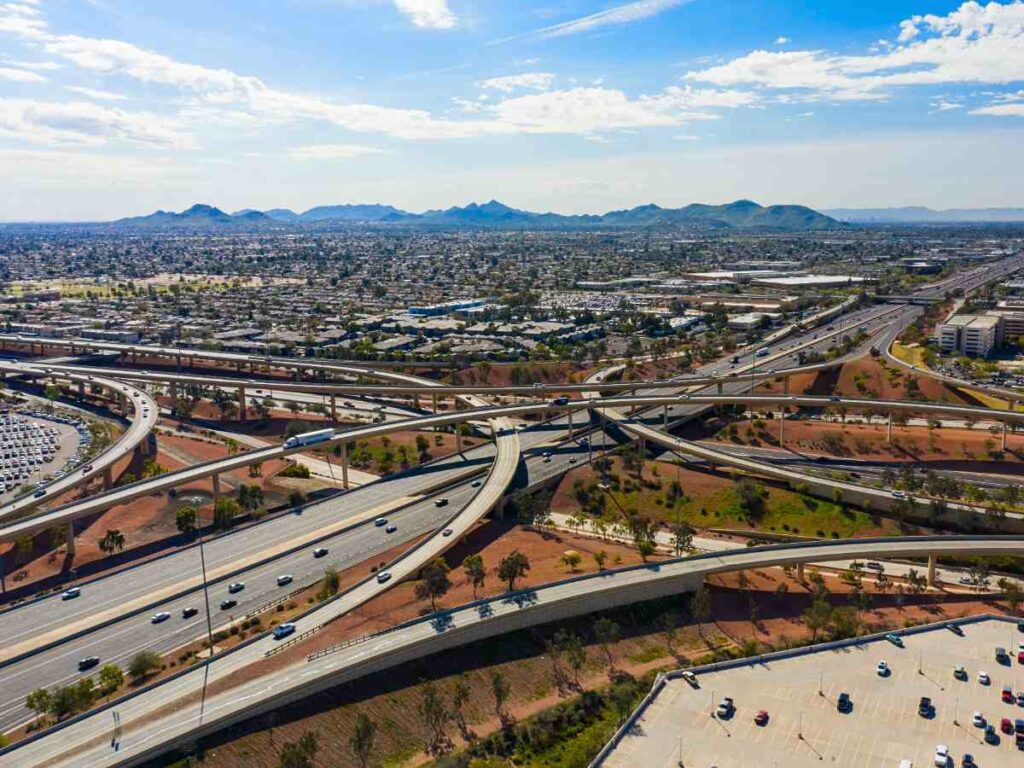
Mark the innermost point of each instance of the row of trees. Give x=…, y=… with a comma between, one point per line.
x=434, y=582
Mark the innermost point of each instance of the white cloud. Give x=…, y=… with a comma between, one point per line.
x=97, y=94
x=83, y=123
x=428, y=14
x=20, y=75
x=686, y=137
x=620, y=14
x=972, y=44
x=532, y=81
x=945, y=105
x=780, y=40
x=332, y=151
x=1005, y=109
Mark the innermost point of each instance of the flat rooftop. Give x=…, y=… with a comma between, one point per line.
x=882, y=728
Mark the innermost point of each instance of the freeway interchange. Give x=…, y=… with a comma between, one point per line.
x=42, y=639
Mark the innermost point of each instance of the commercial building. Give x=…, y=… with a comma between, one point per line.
x=811, y=281
x=972, y=335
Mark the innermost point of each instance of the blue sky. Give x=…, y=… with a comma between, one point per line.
x=115, y=107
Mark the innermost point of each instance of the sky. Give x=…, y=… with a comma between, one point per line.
x=111, y=108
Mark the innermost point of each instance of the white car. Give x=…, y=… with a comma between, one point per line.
x=978, y=720
x=446, y=532
x=983, y=678
x=941, y=756
x=882, y=669
x=383, y=576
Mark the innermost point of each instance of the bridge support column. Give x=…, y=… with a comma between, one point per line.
x=81, y=391
x=888, y=429
x=216, y=488
x=458, y=438
x=179, y=362
x=108, y=478
x=70, y=532
x=800, y=572
x=334, y=408
x=664, y=417
x=785, y=385
x=782, y=428
x=569, y=433
x=434, y=401
x=719, y=385
x=931, y=570
x=344, y=466
x=298, y=374
x=241, y=403
x=174, y=395
x=1004, y=435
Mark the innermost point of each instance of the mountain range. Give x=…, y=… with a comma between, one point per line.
x=742, y=214
x=921, y=215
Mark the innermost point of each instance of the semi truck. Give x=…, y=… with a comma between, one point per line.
x=308, y=438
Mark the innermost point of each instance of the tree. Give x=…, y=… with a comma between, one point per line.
x=751, y=497
x=299, y=754
x=460, y=696
x=667, y=622
x=571, y=560
x=916, y=583
x=362, y=739
x=817, y=615
x=112, y=541
x=514, y=566
x=682, y=538
x=1012, y=594
x=143, y=664
x=24, y=547
x=224, y=511
x=39, y=701
x=607, y=633
x=186, y=519
x=500, y=688
x=434, y=582
x=575, y=654
x=476, y=573
x=331, y=583
x=434, y=714
x=700, y=607
x=599, y=558
x=111, y=677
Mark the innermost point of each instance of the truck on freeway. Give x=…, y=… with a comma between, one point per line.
x=308, y=438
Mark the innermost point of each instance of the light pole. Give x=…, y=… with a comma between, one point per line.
x=209, y=627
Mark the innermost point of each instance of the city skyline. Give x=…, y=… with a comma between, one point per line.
x=575, y=107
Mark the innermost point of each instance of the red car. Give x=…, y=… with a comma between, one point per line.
x=1006, y=725
x=1007, y=694
x=1020, y=657
x=761, y=718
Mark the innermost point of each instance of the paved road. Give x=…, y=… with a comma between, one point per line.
x=144, y=416
x=147, y=730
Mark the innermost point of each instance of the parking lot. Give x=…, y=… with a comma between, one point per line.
x=805, y=727
x=34, y=445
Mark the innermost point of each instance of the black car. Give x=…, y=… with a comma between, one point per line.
x=188, y=613
x=844, y=703
x=1020, y=626
x=320, y=552
x=925, y=707
x=228, y=603
x=88, y=663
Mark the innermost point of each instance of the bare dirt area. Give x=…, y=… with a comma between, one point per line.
x=506, y=374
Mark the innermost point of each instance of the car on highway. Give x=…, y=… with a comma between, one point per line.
x=391, y=529
x=320, y=552
x=476, y=483
x=283, y=579
x=86, y=469
x=39, y=493
x=70, y=594
x=159, y=618
x=383, y=577
x=235, y=587
x=228, y=603
x=380, y=521
x=283, y=630
x=88, y=663
x=442, y=502
x=189, y=612
x=446, y=532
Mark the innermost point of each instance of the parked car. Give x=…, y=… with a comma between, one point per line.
x=925, y=708
x=895, y=640
x=725, y=708
x=983, y=678
x=761, y=718
x=690, y=678
x=1007, y=695
x=959, y=673
x=978, y=720
x=941, y=755
x=955, y=629
x=882, y=669
x=844, y=703
x=1006, y=725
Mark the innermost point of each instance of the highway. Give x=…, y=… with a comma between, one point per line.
x=147, y=728
x=563, y=455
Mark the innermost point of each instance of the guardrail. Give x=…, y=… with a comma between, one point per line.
x=341, y=646
x=294, y=640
